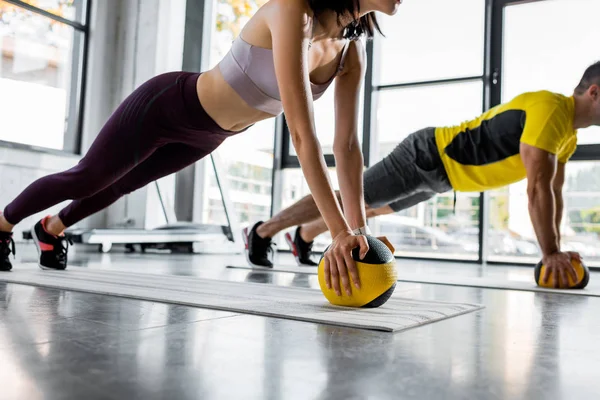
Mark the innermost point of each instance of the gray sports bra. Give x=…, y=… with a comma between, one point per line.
x=250, y=71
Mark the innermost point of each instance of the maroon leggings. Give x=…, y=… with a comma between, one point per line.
x=159, y=129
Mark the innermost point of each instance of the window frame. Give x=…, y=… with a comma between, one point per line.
x=491, y=79
x=79, y=59
x=584, y=152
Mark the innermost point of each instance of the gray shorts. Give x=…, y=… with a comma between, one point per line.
x=413, y=172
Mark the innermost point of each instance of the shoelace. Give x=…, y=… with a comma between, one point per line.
x=271, y=251
x=268, y=247
x=63, y=248
x=9, y=246
x=309, y=247
x=306, y=245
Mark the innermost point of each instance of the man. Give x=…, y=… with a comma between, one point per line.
x=532, y=136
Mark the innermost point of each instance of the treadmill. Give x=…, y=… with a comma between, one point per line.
x=176, y=236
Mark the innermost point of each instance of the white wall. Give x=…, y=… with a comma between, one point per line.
x=18, y=168
x=130, y=42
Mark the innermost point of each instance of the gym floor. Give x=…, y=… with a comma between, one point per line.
x=66, y=345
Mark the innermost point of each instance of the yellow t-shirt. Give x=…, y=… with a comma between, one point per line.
x=483, y=153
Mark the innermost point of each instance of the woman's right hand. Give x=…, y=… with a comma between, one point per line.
x=338, y=261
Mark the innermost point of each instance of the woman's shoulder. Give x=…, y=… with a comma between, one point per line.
x=356, y=55
x=357, y=47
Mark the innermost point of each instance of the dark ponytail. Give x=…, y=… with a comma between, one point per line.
x=365, y=25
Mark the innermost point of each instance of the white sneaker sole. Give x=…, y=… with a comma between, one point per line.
x=36, y=241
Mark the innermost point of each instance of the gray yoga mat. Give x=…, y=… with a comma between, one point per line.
x=250, y=298
x=592, y=289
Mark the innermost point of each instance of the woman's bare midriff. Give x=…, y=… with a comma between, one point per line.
x=223, y=104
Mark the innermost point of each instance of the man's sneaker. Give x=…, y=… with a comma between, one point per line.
x=52, y=250
x=257, y=248
x=7, y=247
x=301, y=249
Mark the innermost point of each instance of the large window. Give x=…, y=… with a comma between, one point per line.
x=403, y=111
x=511, y=236
x=247, y=162
x=432, y=40
x=538, y=56
x=41, y=72
x=434, y=229
x=294, y=188
x=432, y=69
x=324, y=113
x=424, y=79
x=247, y=158
x=556, y=63
x=72, y=10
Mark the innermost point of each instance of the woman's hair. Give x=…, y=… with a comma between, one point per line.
x=365, y=25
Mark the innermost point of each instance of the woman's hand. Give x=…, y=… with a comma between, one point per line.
x=338, y=261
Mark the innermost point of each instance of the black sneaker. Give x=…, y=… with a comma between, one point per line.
x=257, y=248
x=301, y=249
x=7, y=247
x=52, y=250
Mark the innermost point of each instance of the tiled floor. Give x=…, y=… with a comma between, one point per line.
x=66, y=345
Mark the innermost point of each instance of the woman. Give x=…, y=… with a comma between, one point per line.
x=286, y=57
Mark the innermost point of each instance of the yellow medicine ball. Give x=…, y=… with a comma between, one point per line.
x=376, y=272
x=583, y=276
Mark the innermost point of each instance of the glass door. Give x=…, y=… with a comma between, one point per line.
x=546, y=45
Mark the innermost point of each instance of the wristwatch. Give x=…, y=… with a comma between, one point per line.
x=362, y=231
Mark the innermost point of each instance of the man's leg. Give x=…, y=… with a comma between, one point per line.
x=399, y=176
x=258, y=238
x=303, y=211
x=312, y=229
x=301, y=244
x=394, y=177
x=299, y=214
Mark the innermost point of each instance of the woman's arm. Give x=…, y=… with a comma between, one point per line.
x=289, y=30
x=346, y=146
x=290, y=26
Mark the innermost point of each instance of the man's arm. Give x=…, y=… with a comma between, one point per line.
x=541, y=169
x=557, y=188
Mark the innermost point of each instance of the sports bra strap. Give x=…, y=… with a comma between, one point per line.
x=344, y=53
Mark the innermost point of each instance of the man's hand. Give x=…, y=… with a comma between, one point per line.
x=559, y=266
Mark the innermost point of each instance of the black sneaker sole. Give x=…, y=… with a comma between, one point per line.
x=247, y=251
x=36, y=241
